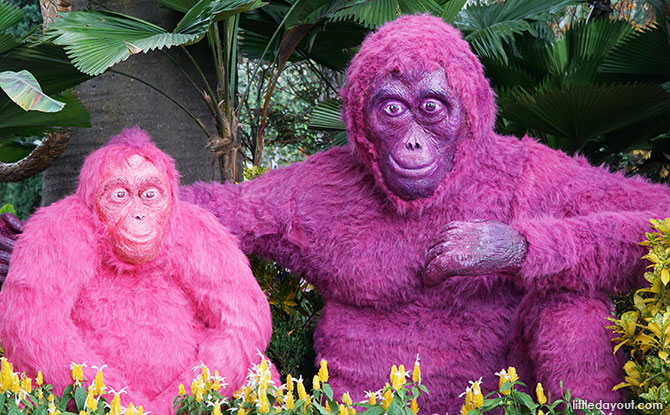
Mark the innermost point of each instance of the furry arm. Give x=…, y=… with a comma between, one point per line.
x=583, y=223
x=54, y=258
x=234, y=309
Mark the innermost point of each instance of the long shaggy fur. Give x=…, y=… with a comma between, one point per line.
x=333, y=220
x=68, y=299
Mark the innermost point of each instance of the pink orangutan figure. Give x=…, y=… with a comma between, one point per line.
x=430, y=234
x=124, y=274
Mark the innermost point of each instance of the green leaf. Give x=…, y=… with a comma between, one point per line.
x=15, y=122
x=524, y=399
x=13, y=151
x=198, y=19
x=8, y=42
x=8, y=208
x=375, y=410
x=178, y=5
x=326, y=116
x=644, y=55
x=25, y=91
x=328, y=391
x=375, y=13
x=9, y=15
x=97, y=40
x=80, y=395
x=451, y=9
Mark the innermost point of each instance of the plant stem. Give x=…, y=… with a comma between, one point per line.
x=208, y=87
x=189, y=113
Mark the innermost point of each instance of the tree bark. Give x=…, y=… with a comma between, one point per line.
x=116, y=102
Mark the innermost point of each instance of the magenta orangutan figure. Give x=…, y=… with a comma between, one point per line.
x=124, y=274
x=430, y=234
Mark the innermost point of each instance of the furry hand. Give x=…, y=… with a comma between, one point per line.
x=474, y=248
x=10, y=229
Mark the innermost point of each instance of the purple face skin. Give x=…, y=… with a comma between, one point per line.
x=415, y=123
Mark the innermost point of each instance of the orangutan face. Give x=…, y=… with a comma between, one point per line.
x=134, y=203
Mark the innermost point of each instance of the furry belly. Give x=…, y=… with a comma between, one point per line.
x=149, y=335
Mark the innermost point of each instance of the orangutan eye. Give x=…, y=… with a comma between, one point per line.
x=431, y=106
x=149, y=194
x=394, y=108
x=120, y=194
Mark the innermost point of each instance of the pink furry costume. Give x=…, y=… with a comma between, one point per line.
x=69, y=297
x=333, y=220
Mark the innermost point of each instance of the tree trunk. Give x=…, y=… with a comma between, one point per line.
x=116, y=102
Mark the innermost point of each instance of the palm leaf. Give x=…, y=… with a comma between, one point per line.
x=581, y=113
x=97, y=40
x=375, y=13
x=451, y=9
x=326, y=116
x=9, y=15
x=16, y=122
x=198, y=19
x=22, y=88
x=489, y=27
x=644, y=55
x=7, y=42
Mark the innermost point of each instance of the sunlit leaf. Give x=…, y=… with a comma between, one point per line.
x=22, y=88
x=375, y=13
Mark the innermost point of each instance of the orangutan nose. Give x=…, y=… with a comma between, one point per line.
x=139, y=217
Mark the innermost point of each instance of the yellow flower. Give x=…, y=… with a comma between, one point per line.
x=263, y=404
x=416, y=373
x=52, y=406
x=6, y=375
x=98, y=383
x=539, y=412
x=241, y=412
x=91, y=402
x=216, y=410
x=217, y=381
x=414, y=407
x=131, y=409
x=40, y=396
x=511, y=371
x=290, y=403
x=372, y=398
x=352, y=411
x=39, y=380
x=315, y=383
x=289, y=382
x=27, y=384
x=398, y=377
x=301, y=390
x=182, y=390
x=504, y=377
x=140, y=410
x=387, y=397
x=539, y=391
x=77, y=372
x=347, y=399
x=464, y=410
x=342, y=410
x=115, y=405
x=205, y=372
x=327, y=407
x=16, y=383
x=323, y=371
x=83, y=412
x=477, y=397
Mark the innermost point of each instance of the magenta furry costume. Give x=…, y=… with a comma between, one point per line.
x=333, y=220
x=68, y=297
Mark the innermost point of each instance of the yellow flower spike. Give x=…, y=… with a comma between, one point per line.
x=205, y=372
x=115, y=405
x=217, y=410
x=323, y=371
x=511, y=371
x=539, y=391
x=373, y=399
x=539, y=412
x=504, y=377
x=263, y=404
x=342, y=410
x=27, y=384
x=290, y=403
x=140, y=410
x=289, y=382
x=83, y=412
x=264, y=366
x=77, y=372
x=40, y=396
x=352, y=411
x=16, y=383
x=477, y=397
x=414, y=407
x=91, y=402
x=39, y=379
x=217, y=381
x=387, y=397
x=464, y=410
x=394, y=371
x=327, y=407
x=182, y=389
x=131, y=409
x=416, y=373
x=302, y=394
x=315, y=383
x=347, y=399
x=98, y=383
x=241, y=411
x=52, y=406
